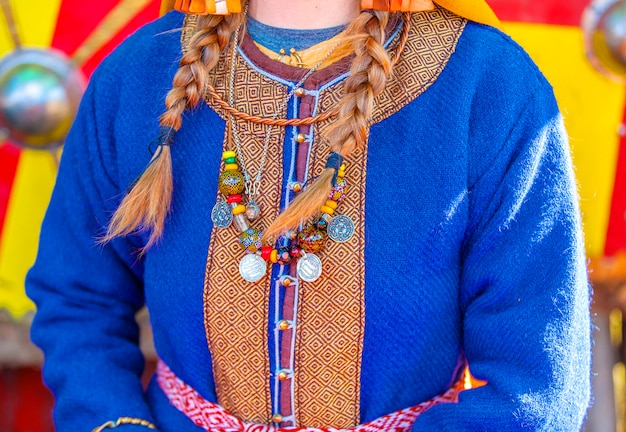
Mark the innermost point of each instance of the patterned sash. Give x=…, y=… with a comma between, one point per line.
x=214, y=418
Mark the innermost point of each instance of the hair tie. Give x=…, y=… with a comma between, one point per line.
x=166, y=136
x=165, y=139
x=334, y=161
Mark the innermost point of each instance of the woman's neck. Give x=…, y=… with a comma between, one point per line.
x=304, y=14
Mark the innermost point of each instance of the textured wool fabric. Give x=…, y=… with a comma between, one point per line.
x=474, y=248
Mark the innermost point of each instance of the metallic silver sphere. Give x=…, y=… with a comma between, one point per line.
x=39, y=95
x=613, y=27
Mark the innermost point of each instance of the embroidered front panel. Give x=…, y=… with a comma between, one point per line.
x=236, y=311
x=432, y=42
x=328, y=324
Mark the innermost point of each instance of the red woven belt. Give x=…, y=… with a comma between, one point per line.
x=214, y=418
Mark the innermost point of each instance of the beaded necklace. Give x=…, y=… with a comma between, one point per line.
x=301, y=245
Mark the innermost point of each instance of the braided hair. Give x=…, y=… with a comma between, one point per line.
x=147, y=204
x=369, y=72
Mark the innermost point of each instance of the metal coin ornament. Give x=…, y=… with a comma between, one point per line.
x=252, y=267
x=309, y=267
x=39, y=95
x=340, y=228
x=222, y=215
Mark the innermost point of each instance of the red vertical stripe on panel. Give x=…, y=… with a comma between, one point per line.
x=616, y=232
x=559, y=12
x=9, y=158
x=150, y=13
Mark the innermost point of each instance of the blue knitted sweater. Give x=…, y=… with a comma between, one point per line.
x=473, y=248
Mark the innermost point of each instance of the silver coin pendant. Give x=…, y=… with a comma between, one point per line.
x=252, y=267
x=341, y=228
x=222, y=215
x=309, y=267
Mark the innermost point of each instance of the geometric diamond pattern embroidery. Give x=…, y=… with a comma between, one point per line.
x=236, y=311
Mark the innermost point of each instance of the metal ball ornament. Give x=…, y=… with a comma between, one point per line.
x=613, y=27
x=40, y=91
x=604, y=29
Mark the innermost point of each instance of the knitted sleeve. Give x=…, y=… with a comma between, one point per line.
x=87, y=294
x=524, y=288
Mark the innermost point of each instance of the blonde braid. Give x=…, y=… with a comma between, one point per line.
x=368, y=77
x=148, y=202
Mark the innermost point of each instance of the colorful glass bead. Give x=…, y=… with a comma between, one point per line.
x=295, y=252
x=231, y=160
x=311, y=239
x=266, y=252
x=231, y=182
x=338, y=192
x=236, y=199
x=287, y=281
x=238, y=209
x=228, y=154
x=283, y=256
x=295, y=186
x=327, y=210
x=250, y=240
x=253, y=211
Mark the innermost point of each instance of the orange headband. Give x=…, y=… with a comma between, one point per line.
x=474, y=10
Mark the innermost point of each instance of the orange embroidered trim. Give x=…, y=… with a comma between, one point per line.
x=398, y=5
x=208, y=7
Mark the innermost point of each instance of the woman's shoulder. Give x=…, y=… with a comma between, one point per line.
x=147, y=54
x=492, y=58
